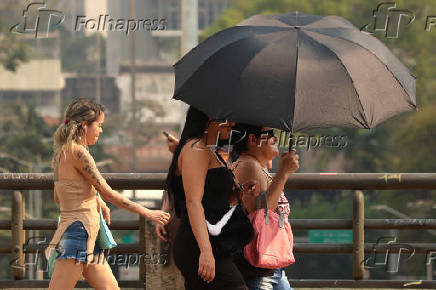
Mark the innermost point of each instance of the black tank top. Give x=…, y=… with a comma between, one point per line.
x=218, y=189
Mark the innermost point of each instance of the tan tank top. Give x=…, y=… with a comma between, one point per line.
x=77, y=200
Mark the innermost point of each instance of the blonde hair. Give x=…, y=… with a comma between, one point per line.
x=78, y=111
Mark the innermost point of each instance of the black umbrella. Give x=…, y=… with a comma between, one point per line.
x=295, y=72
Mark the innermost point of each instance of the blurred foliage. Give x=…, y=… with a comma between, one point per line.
x=12, y=50
x=146, y=127
x=22, y=125
x=79, y=53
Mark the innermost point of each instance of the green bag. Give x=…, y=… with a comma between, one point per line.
x=105, y=238
x=52, y=258
x=51, y=262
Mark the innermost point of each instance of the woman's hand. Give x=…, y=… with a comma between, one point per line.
x=158, y=216
x=106, y=214
x=206, y=266
x=105, y=210
x=172, y=143
x=161, y=233
x=288, y=162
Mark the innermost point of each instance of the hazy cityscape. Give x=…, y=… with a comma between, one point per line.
x=121, y=53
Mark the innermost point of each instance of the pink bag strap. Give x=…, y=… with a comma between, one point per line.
x=263, y=195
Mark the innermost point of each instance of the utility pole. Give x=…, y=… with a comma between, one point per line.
x=189, y=35
x=132, y=92
x=37, y=214
x=98, y=72
x=189, y=26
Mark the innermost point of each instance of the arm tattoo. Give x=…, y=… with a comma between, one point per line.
x=90, y=168
x=128, y=204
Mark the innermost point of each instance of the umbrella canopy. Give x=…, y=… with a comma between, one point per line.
x=295, y=72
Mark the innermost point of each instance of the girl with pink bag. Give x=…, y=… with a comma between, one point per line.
x=257, y=148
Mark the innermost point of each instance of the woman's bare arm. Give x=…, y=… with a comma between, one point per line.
x=246, y=171
x=85, y=164
x=194, y=166
x=288, y=164
x=251, y=170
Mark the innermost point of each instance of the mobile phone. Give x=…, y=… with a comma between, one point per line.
x=165, y=133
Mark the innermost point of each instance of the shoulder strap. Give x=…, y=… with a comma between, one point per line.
x=219, y=158
x=236, y=184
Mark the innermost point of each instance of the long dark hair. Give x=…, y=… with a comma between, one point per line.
x=195, y=126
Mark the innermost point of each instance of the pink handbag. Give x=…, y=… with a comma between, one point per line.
x=273, y=241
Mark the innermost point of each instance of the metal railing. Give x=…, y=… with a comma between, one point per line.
x=353, y=181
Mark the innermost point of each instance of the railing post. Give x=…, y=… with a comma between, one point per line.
x=18, y=236
x=143, y=247
x=358, y=235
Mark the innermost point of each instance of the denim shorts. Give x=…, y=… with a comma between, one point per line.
x=73, y=243
x=278, y=281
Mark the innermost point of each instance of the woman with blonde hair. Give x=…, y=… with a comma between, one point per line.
x=77, y=181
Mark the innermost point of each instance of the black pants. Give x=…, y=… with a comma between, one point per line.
x=186, y=253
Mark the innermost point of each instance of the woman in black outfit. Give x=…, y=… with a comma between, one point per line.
x=202, y=188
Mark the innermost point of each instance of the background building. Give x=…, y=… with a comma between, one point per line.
x=39, y=81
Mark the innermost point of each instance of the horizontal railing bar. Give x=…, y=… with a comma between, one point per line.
x=22, y=181
x=49, y=224
x=52, y=224
x=309, y=248
x=121, y=248
x=300, y=248
x=296, y=283
x=370, y=224
x=400, y=224
x=297, y=224
x=325, y=224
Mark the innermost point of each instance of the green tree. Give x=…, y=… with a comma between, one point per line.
x=12, y=50
x=79, y=53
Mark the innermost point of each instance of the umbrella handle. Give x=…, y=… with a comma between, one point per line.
x=291, y=142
